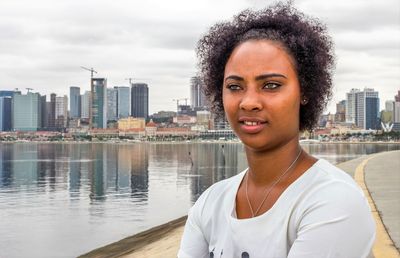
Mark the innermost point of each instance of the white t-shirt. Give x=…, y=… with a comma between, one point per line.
x=322, y=214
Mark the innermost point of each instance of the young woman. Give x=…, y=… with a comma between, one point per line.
x=269, y=71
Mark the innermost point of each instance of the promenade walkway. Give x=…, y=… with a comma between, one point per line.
x=379, y=177
x=377, y=174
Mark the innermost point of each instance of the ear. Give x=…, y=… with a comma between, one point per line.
x=304, y=100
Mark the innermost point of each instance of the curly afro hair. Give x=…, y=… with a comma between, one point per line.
x=305, y=40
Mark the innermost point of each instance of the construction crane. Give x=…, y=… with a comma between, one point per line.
x=91, y=70
x=29, y=89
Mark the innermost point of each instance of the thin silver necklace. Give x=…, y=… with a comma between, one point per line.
x=268, y=188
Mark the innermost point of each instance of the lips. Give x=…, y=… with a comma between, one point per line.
x=252, y=125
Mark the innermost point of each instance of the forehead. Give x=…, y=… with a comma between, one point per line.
x=259, y=56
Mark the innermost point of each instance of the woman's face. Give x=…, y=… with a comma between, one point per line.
x=261, y=95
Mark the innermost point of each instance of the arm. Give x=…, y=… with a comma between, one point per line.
x=193, y=243
x=336, y=223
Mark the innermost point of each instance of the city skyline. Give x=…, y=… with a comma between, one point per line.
x=153, y=42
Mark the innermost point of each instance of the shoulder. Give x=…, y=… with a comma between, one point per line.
x=333, y=214
x=326, y=177
x=332, y=194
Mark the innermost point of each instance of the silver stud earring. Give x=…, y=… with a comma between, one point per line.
x=304, y=101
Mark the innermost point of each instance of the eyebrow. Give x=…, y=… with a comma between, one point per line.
x=258, y=78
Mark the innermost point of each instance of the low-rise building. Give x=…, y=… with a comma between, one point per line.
x=126, y=124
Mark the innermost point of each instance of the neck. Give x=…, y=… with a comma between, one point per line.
x=266, y=166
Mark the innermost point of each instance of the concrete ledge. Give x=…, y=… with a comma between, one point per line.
x=135, y=242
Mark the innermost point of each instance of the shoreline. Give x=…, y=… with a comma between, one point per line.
x=134, y=243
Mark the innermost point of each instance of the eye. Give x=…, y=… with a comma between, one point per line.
x=271, y=85
x=233, y=87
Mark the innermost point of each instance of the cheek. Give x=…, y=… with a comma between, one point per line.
x=226, y=100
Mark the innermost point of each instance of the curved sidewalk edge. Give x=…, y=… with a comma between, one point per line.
x=137, y=242
x=384, y=246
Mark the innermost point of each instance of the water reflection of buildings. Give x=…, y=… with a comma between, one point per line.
x=6, y=168
x=212, y=163
x=139, y=157
x=75, y=175
x=115, y=168
x=25, y=167
x=46, y=165
x=96, y=172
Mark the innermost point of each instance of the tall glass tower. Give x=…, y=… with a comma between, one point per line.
x=98, y=107
x=140, y=100
x=367, y=109
x=123, y=101
x=26, y=112
x=75, y=102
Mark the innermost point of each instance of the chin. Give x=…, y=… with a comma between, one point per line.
x=256, y=144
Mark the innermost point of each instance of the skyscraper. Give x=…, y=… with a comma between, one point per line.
x=6, y=109
x=111, y=104
x=98, y=106
x=43, y=111
x=75, y=102
x=351, y=106
x=396, y=113
x=197, y=97
x=61, y=113
x=7, y=93
x=340, y=115
x=140, y=100
x=5, y=114
x=51, y=112
x=367, y=109
x=85, y=103
x=123, y=101
x=26, y=112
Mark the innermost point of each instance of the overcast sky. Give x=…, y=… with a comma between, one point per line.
x=43, y=43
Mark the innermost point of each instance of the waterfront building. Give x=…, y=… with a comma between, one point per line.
x=85, y=103
x=43, y=111
x=203, y=118
x=51, y=112
x=6, y=109
x=197, y=97
x=26, y=112
x=389, y=105
x=186, y=110
x=351, y=106
x=123, y=101
x=130, y=123
x=98, y=105
x=184, y=119
x=111, y=104
x=139, y=100
x=151, y=128
x=61, y=112
x=367, y=109
x=75, y=102
x=340, y=115
x=396, y=113
x=5, y=113
x=7, y=93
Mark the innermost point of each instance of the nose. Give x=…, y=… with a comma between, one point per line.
x=251, y=101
